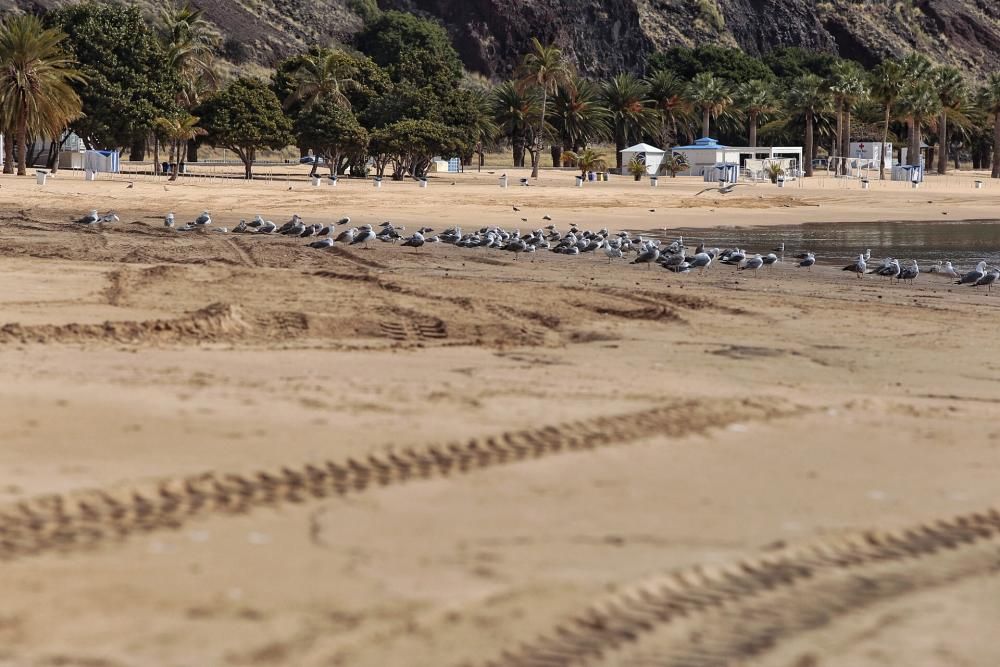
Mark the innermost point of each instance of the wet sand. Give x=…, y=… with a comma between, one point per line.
x=460, y=452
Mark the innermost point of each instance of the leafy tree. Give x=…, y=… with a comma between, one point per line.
x=755, y=98
x=808, y=97
x=321, y=77
x=709, y=94
x=847, y=86
x=35, y=79
x=917, y=103
x=411, y=49
x=410, y=145
x=675, y=163
x=189, y=38
x=578, y=116
x=952, y=93
x=178, y=130
x=627, y=100
x=989, y=99
x=723, y=62
x=667, y=91
x=245, y=116
x=128, y=86
x=886, y=83
x=791, y=62
x=332, y=132
x=544, y=68
x=587, y=160
x=515, y=111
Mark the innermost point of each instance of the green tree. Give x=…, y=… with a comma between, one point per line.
x=721, y=61
x=189, y=39
x=322, y=77
x=578, y=116
x=332, y=132
x=127, y=86
x=918, y=102
x=886, y=84
x=544, y=69
x=411, y=49
x=515, y=111
x=630, y=109
x=710, y=95
x=586, y=160
x=989, y=99
x=36, y=74
x=668, y=94
x=847, y=87
x=410, y=145
x=952, y=93
x=808, y=97
x=244, y=117
x=791, y=62
x=756, y=99
x=178, y=131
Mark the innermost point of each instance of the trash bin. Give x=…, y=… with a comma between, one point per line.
x=653, y=181
x=865, y=184
x=89, y=175
x=315, y=181
x=377, y=182
x=41, y=176
x=979, y=185
x=503, y=181
x=591, y=176
x=780, y=181
x=423, y=182
x=579, y=181
x=333, y=181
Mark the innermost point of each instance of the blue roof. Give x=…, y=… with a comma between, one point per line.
x=703, y=144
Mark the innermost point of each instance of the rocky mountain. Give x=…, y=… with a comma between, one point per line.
x=608, y=36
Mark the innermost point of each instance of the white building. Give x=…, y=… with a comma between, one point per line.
x=650, y=155
x=708, y=158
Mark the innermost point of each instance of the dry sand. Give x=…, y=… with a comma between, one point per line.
x=610, y=425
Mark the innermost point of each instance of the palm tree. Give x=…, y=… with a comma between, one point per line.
x=711, y=95
x=514, y=111
x=989, y=99
x=321, y=77
x=755, y=98
x=847, y=87
x=189, y=38
x=918, y=102
x=179, y=130
x=544, y=69
x=808, y=97
x=631, y=112
x=35, y=78
x=578, y=116
x=887, y=81
x=667, y=91
x=587, y=160
x=952, y=93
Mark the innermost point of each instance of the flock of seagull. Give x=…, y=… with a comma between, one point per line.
x=673, y=256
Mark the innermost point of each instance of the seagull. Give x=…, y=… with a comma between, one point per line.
x=974, y=276
x=945, y=268
x=322, y=243
x=415, y=241
x=613, y=251
x=722, y=189
x=326, y=230
x=647, y=255
x=700, y=261
x=344, y=221
x=858, y=266
x=257, y=221
x=988, y=279
x=546, y=217
x=770, y=259
x=516, y=209
x=110, y=216
x=808, y=261
x=752, y=264
x=516, y=246
x=91, y=218
x=168, y=220
x=240, y=228
x=364, y=235
x=203, y=219
x=267, y=227
x=910, y=273
x=347, y=236
x=889, y=269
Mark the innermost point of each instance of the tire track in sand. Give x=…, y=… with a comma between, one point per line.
x=714, y=616
x=88, y=519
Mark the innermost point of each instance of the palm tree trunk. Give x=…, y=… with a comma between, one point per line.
x=156, y=155
x=706, y=120
x=996, y=147
x=536, y=155
x=943, y=142
x=838, y=139
x=917, y=140
x=8, y=153
x=22, y=142
x=885, y=140
x=809, y=144
x=845, y=140
x=752, y=130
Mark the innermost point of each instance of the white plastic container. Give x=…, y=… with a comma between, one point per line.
x=41, y=177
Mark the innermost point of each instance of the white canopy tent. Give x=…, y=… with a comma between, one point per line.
x=650, y=155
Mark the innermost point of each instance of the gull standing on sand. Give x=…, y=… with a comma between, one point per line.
x=347, y=236
x=974, y=276
x=945, y=269
x=752, y=264
x=910, y=273
x=203, y=219
x=808, y=261
x=364, y=236
x=168, y=220
x=770, y=259
x=700, y=261
x=613, y=251
x=987, y=280
x=649, y=254
x=859, y=266
x=416, y=241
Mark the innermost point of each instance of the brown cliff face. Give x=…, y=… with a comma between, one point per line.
x=608, y=36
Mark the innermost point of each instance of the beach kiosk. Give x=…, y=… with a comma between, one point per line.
x=651, y=155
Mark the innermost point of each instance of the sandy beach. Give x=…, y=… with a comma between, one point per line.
x=225, y=449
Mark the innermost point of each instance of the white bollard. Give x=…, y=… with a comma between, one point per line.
x=916, y=184
x=579, y=181
x=503, y=181
x=654, y=182
x=979, y=185
x=377, y=182
x=333, y=181
x=41, y=177
x=423, y=182
x=865, y=185
x=315, y=181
